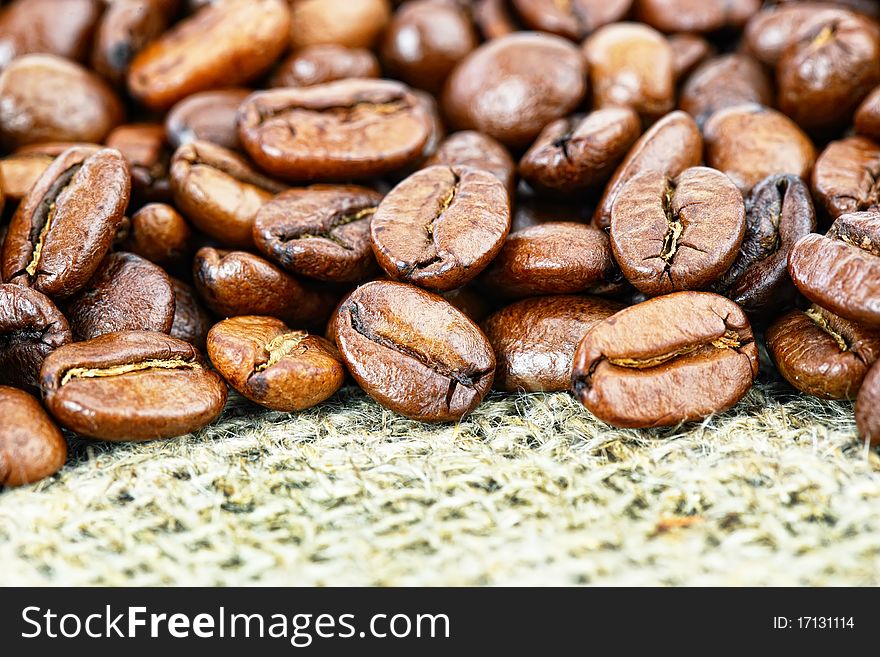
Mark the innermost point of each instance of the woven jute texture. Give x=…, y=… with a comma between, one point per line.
x=530, y=489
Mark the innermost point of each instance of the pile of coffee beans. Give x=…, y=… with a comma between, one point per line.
x=626, y=199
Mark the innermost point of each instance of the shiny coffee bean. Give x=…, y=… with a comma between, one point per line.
x=349, y=23
x=127, y=293
x=573, y=19
x=225, y=44
x=31, y=327
x=868, y=407
x=494, y=18
x=31, y=445
x=235, y=283
x=511, y=87
x=725, y=81
x=580, y=152
x=822, y=354
x=840, y=271
x=535, y=339
x=441, y=227
x=47, y=26
x=144, y=147
x=478, y=151
x=671, y=359
x=688, y=52
x=867, y=117
x=677, y=234
x=552, y=258
x=207, y=116
x=19, y=172
x=469, y=301
x=274, y=366
x=340, y=130
x=413, y=352
x=191, y=321
x=159, y=234
x=631, y=66
x=751, y=142
x=846, y=177
x=699, y=16
x=219, y=191
x=47, y=98
x=132, y=386
x=322, y=232
x=771, y=32
x=324, y=63
x=779, y=212
x=670, y=146
x=66, y=224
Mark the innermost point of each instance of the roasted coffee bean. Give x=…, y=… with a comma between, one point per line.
x=207, y=116
x=573, y=19
x=770, y=32
x=867, y=117
x=751, y=142
x=126, y=27
x=345, y=129
x=219, y=191
x=47, y=26
x=441, y=227
x=225, y=44
x=469, y=301
x=274, y=366
x=47, y=98
x=322, y=232
x=670, y=146
x=350, y=23
x=840, y=271
x=144, y=147
x=191, y=321
x=552, y=258
x=159, y=234
x=511, y=87
x=532, y=208
x=631, y=66
x=31, y=327
x=31, y=446
x=822, y=354
x=779, y=212
x=324, y=63
x=688, y=52
x=671, y=359
x=414, y=352
x=132, y=385
x=868, y=407
x=677, y=234
x=846, y=177
x=695, y=16
x=476, y=150
x=580, y=152
x=66, y=224
x=236, y=283
x=19, y=172
x=127, y=293
x=425, y=40
x=725, y=81
x=535, y=339
x=494, y=18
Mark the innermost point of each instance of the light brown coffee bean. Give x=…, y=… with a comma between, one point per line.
x=31, y=446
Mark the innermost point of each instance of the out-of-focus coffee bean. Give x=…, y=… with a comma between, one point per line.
x=31, y=445
x=350, y=23
x=207, y=116
x=493, y=18
x=159, y=234
x=725, y=81
x=324, y=63
x=469, y=148
x=573, y=19
x=868, y=407
x=145, y=148
x=695, y=15
x=191, y=321
x=846, y=177
x=867, y=117
x=688, y=52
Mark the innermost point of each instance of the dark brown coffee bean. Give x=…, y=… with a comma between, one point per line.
x=413, y=352
x=191, y=321
x=695, y=15
x=751, y=142
x=552, y=258
x=846, y=177
x=573, y=19
x=225, y=44
x=677, y=234
x=868, y=407
x=580, y=152
x=511, y=87
x=779, y=212
x=19, y=172
x=235, y=283
x=65, y=226
x=346, y=129
x=31, y=446
x=631, y=66
x=478, y=151
x=725, y=81
x=47, y=26
x=127, y=293
x=822, y=354
x=159, y=234
x=31, y=327
x=535, y=339
x=771, y=31
x=532, y=208
x=324, y=63
x=126, y=27
x=671, y=359
x=322, y=232
x=207, y=116
x=272, y=365
x=219, y=191
x=441, y=227
x=470, y=301
x=47, y=98
x=670, y=146
x=688, y=52
x=494, y=18
x=144, y=147
x=132, y=386
x=867, y=117
x=350, y=23
x=840, y=271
